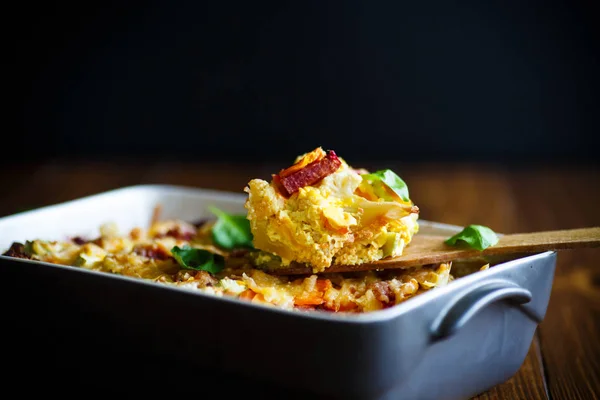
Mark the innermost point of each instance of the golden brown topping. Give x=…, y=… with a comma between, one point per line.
x=152, y=251
x=383, y=292
x=16, y=250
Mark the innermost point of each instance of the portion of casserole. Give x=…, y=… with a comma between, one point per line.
x=149, y=254
x=320, y=211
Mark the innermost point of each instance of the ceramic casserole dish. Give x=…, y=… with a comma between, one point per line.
x=449, y=343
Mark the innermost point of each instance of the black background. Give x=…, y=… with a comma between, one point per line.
x=505, y=82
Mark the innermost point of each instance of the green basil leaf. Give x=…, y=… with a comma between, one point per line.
x=198, y=259
x=476, y=236
x=231, y=231
x=391, y=180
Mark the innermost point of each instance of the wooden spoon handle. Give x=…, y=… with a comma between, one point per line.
x=430, y=249
x=549, y=240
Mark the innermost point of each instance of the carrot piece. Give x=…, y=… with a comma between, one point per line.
x=323, y=285
x=315, y=298
x=316, y=155
x=259, y=298
x=247, y=295
x=310, y=300
x=347, y=307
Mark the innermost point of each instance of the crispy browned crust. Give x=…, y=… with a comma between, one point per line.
x=17, y=250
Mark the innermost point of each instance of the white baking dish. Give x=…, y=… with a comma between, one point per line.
x=449, y=343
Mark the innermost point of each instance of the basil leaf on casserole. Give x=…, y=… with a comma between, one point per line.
x=478, y=237
x=231, y=231
x=391, y=180
x=198, y=259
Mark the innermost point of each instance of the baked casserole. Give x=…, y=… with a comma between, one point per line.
x=319, y=211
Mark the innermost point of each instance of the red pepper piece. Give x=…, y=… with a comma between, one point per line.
x=311, y=174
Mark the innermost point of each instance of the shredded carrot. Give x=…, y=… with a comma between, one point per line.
x=311, y=300
x=247, y=295
x=315, y=298
x=323, y=285
x=347, y=307
x=315, y=155
x=259, y=298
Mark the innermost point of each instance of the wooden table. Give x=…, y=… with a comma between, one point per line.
x=563, y=360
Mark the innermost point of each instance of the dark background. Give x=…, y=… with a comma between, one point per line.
x=505, y=82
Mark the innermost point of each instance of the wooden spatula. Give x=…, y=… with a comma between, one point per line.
x=429, y=249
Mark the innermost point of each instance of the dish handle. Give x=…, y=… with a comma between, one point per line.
x=460, y=311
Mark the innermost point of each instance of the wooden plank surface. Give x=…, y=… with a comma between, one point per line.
x=569, y=335
x=462, y=195
x=563, y=360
